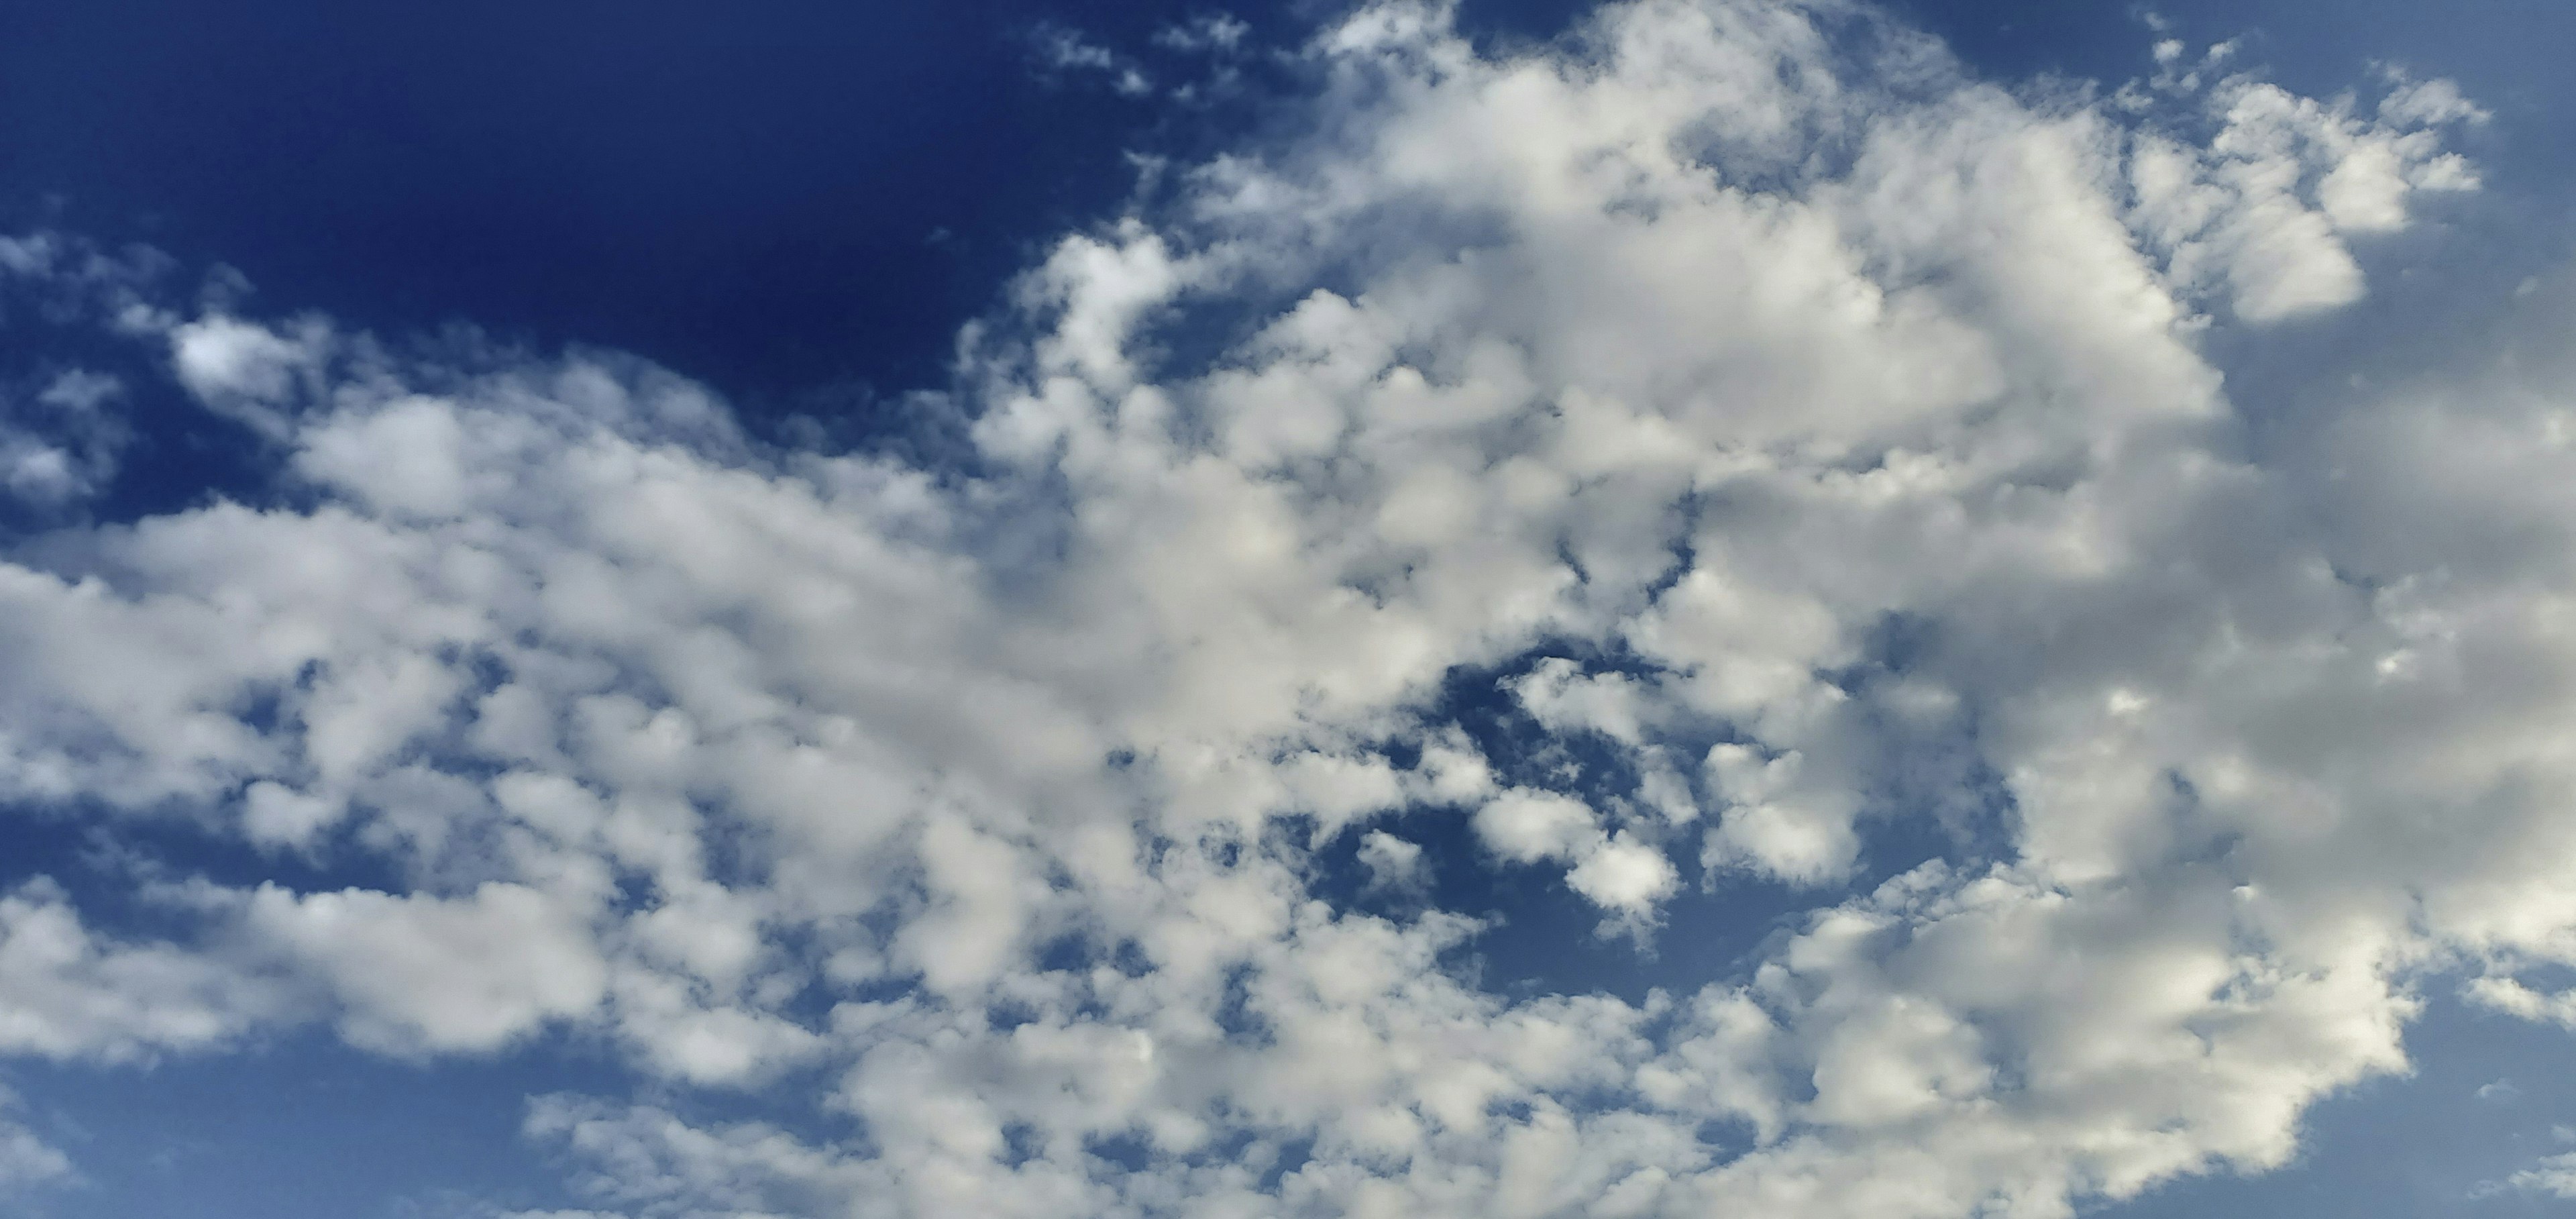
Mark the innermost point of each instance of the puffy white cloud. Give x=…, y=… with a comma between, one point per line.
x=2554, y=1177
x=1775, y=824
x=2267, y=206
x=245, y=370
x=1850, y=416
x=68, y=993
x=1624, y=874
x=1392, y=862
x=433, y=973
x=1525, y=826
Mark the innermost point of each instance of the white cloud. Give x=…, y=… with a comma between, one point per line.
x=2269, y=205
x=61, y=444
x=1776, y=823
x=1897, y=483
x=1624, y=874
x=1217, y=32
x=27, y=1161
x=1392, y=863
x=1526, y=826
x=67, y=993
x=246, y=370
x=1060, y=50
x=2553, y=1177
x=422, y=972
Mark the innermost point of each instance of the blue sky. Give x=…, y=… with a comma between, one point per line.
x=639, y=612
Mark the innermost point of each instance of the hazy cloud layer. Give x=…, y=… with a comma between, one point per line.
x=1820, y=442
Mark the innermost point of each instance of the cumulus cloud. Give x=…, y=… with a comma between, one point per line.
x=68, y=993
x=1816, y=446
x=443, y=974
x=2552, y=1177
x=1392, y=862
x=244, y=369
x=2267, y=208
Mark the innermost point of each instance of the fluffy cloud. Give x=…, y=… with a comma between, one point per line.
x=1814, y=448
x=2550, y=1176
x=445, y=974
x=2268, y=206
x=68, y=993
x=2554, y=1176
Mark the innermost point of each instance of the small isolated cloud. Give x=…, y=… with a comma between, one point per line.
x=1624, y=875
x=27, y=1161
x=246, y=370
x=1527, y=826
x=1194, y=61
x=1218, y=33
x=1394, y=865
x=2551, y=1177
x=1062, y=53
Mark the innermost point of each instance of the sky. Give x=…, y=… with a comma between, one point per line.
x=1685, y=608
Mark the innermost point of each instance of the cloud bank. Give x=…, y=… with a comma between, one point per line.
x=1818, y=445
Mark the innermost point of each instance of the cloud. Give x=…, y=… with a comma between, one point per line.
x=27, y=1161
x=1063, y=52
x=647, y=1155
x=2552, y=1177
x=2269, y=205
x=1821, y=446
x=1528, y=826
x=1218, y=32
x=245, y=370
x=1393, y=863
x=439, y=974
x=68, y=993
x=1624, y=874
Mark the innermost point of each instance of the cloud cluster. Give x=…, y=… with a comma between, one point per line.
x=2266, y=206
x=1814, y=443
x=1205, y=51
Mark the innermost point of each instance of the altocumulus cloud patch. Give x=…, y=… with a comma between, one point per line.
x=1818, y=442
